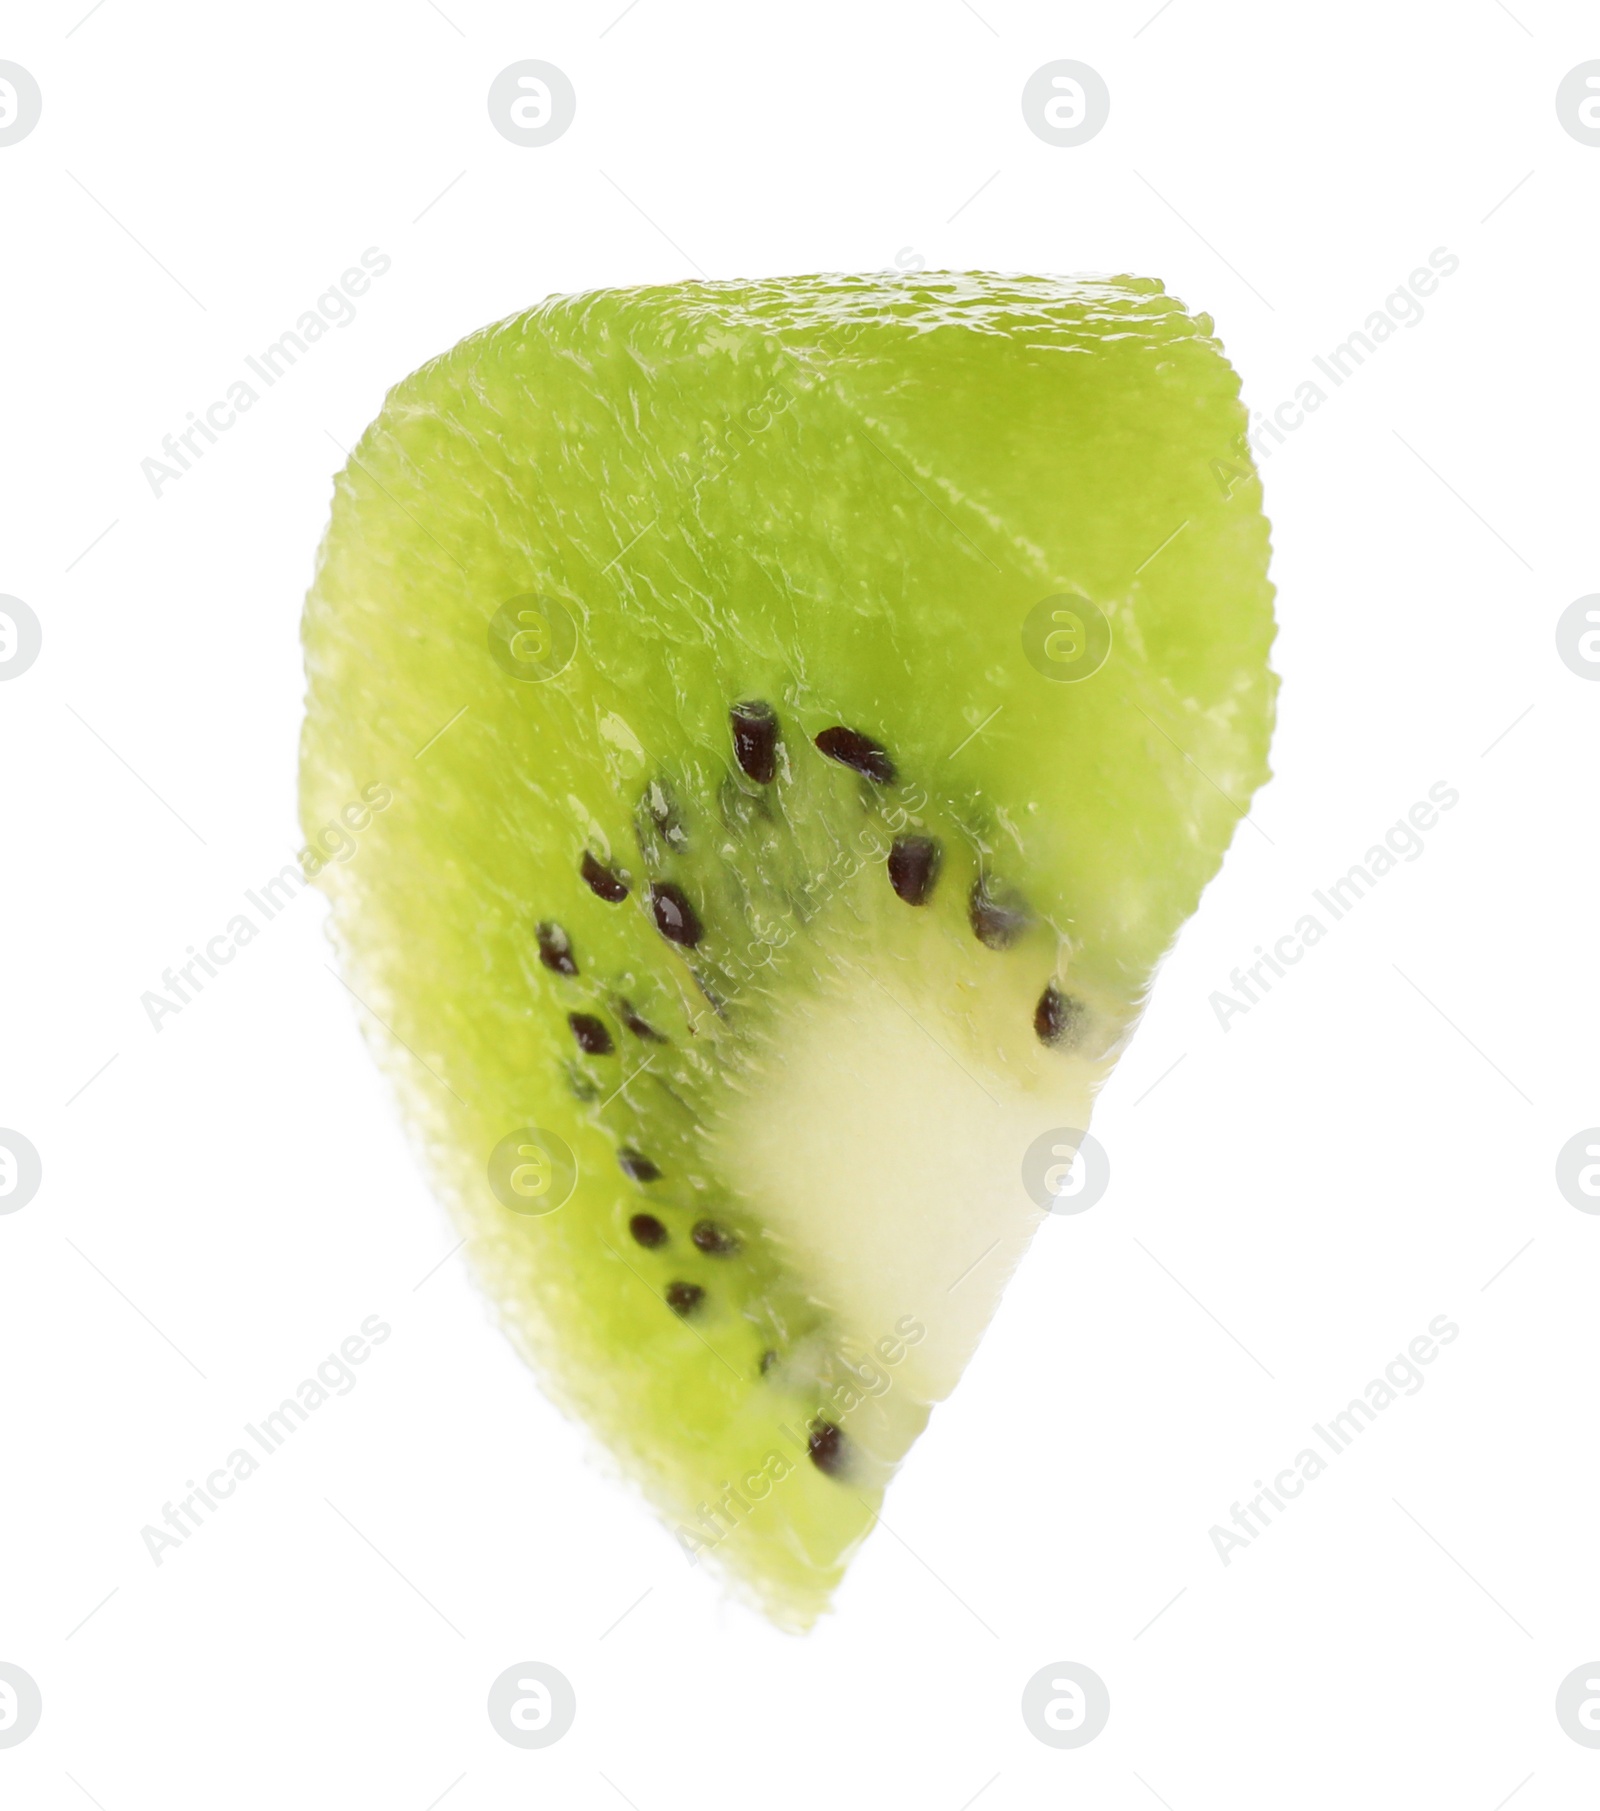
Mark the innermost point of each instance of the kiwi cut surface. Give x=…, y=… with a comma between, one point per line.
x=812, y=708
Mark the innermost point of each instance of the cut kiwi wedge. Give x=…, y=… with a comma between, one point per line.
x=812, y=707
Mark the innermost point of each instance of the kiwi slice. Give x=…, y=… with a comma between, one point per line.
x=811, y=707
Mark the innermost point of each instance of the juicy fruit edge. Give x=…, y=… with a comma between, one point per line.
x=336, y=751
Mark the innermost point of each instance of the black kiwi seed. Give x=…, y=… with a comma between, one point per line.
x=684, y=1298
x=768, y=1359
x=1058, y=1018
x=593, y=1038
x=555, y=949
x=647, y=1231
x=755, y=739
x=641, y=1028
x=675, y=917
x=914, y=863
x=851, y=749
x=601, y=880
x=996, y=923
x=827, y=1448
x=715, y=1241
x=637, y=1166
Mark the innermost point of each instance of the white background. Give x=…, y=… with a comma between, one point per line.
x=1364, y=1150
